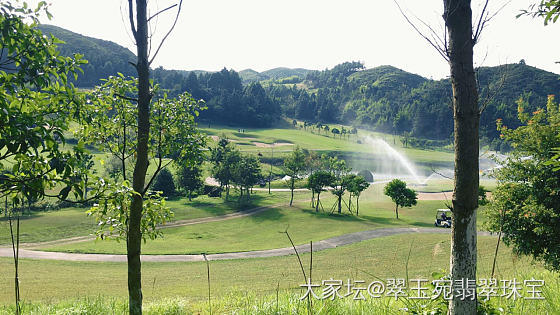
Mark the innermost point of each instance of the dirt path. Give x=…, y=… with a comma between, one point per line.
x=332, y=242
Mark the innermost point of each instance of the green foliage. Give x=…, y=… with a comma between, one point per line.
x=246, y=173
x=228, y=101
x=394, y=101
x=318, y=181
x=526, y=203
x=109, y=122
x=190, y=178
x=548, y=10
x=400, y=194
x=112, y=213
x=164, y=183
x=294, y=166
x=224, y=157
x=232, y=167
x=356, y=184
x=36, y=102
x=482, y=199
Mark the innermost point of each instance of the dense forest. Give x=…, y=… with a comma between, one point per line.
x=383, y=98
x=392, y=100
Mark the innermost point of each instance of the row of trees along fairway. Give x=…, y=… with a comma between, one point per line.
x=323, y=172
x=231, y=167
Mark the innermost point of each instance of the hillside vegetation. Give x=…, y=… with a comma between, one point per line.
x=384, y=98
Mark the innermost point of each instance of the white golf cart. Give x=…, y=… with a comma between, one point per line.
x=443, y=218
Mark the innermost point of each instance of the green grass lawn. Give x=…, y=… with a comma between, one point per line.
x=43, y=280
x=70, y=222
x=315, y=141
x=204, y=206
x=50, y=225
x=262, y=231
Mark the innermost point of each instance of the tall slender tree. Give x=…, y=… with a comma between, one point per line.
x=139, y=28
x=456, y=47
x=466, y=115
x=294, y=166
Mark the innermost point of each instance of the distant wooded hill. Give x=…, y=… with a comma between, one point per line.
x=392, y=100
x=383, y=98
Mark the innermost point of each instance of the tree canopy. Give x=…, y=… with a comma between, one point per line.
x=400, y=194
x=526, y=202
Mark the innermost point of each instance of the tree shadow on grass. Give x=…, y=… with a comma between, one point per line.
x=22, y=217
x=222, y=207
x=272, y=214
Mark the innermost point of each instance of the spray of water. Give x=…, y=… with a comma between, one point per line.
x=391, y=163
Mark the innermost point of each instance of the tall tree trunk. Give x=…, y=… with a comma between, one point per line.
x=292, y=186
x=15, y=249
x=458, y=19
x=292, y=198
x=317, y=203
x=357, y=205
x=134, y=235
x=397, y=211
x=339, y=204
x=312, y=199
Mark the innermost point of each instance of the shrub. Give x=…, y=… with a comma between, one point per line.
x=164, y=183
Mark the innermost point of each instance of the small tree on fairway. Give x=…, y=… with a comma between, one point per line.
x=356, y=185
x=294, y=166
x=225, y=157
x=190, y=178
x=335, y=132
x=339, y=170
x=400, y=194
x=164, y=183
x=317, y=183
x=312, y=164
x=246, y=174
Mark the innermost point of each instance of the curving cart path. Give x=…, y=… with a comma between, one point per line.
x=332, y=242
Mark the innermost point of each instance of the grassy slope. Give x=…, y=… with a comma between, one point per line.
x=262, y=231
x=312, y=140
x=383, y=258
x=70, y=222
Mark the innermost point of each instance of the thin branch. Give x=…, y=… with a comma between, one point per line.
x=440, y=50
x=126, y=97
x=440, y=174
x=166, y=35
x=485, y=17
x=490, y=95
x=168, y=8
x=481, y=22
x=155, y=175
x=131, y=18
x=124, y=24
x=297, y=254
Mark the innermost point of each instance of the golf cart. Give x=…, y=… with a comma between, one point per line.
x=443, y=218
